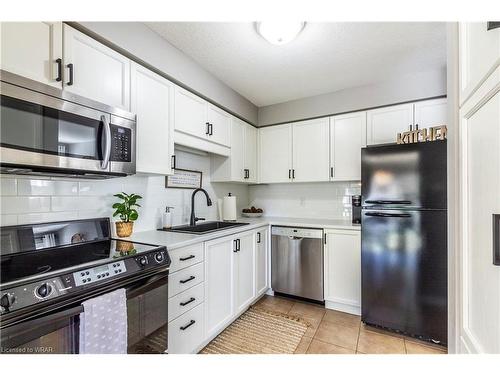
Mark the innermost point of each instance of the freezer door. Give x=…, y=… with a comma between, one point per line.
x=412, y=175
x=404, y=271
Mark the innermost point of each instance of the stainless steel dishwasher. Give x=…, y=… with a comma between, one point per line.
x=297, y=262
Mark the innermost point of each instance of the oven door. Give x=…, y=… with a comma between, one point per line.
x=58, y=332
x=43, y=131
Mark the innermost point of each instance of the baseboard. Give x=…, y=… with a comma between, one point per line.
x=344, y=307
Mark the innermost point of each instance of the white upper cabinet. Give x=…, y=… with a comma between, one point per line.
x=152, y=100
x=190, y=113
x=241, y=165
x=219, y=123
x=430, y=113
x=243, y=266
x=479, y=55
x=237, y=158
x=347, y=137
x=383, y=124
x=95, y=71
x=311, y=151
x=250, y=153
x=275, y=154
x=32, y=50
x=201, y=125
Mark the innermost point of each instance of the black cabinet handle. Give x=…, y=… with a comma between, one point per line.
x=186, y=258
x=188, y=325
x=289, y=173
x=211, y=128
x=70, y=67
x=192, y=299
x=293, y=173
x=247, y=173
x=59, y=70
x=207, y=131
x=382, y=214
x=187, y=280
x=239, y=244
x=416, y=126
x=411, y=127
x=173, y=162
x=331, y=172
x=258, y=237
x=496, y=239
x=235, y=246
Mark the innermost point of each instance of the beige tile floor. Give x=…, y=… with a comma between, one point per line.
x=333, y=332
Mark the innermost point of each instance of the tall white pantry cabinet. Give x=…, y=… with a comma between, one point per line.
x=479, y=198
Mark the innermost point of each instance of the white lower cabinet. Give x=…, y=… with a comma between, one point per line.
x=185, y=301
x=186, y=332
x=343, y=270
x=261, y=261
x=230, y=274
x=219, y=284
x=244, y=271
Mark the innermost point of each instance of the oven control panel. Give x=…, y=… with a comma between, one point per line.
x=99, y=273
x=121, y=144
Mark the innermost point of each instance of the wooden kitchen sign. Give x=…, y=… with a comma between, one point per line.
x=434, y=133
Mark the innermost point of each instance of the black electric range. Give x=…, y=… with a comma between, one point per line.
x=46, y=265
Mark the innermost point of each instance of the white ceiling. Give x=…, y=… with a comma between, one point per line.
x=325, y=57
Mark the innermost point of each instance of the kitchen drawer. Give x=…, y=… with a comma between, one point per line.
x=185, y=301
x=185, y=257
x=186, y=332
x=184, y=279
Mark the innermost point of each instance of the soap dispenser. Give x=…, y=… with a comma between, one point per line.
x=167, y=218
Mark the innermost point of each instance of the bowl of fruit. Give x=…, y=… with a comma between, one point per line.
x=252, y=212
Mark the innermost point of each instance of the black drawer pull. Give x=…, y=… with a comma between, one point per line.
x=258, y=237
x=188, y=325
x=188, y=279
x=186, y=258
x=192, y=299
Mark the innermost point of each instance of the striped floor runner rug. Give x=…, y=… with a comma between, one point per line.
x=258, y=331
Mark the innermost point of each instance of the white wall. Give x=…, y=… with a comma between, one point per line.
x=322, y=200
x=407, y=88
x=142, y=42
x=30, y=200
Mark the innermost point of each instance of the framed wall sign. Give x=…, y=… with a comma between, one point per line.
x=184, y=179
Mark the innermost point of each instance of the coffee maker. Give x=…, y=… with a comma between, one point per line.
x=356, y=209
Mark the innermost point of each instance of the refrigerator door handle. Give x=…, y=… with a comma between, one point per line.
x=387, y=202
x=496, y=239
x=383, y=214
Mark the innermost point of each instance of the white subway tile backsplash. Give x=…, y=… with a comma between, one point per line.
x=46, y=217
x=105, y=187
x=19, y=205
x=8, y=220
x=8, y=186
x=47, y=187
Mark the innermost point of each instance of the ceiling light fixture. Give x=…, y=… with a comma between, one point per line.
x=279, y=32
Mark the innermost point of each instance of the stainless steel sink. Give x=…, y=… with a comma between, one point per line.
x=211, y=226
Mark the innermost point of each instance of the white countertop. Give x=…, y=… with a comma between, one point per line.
x=174, y=240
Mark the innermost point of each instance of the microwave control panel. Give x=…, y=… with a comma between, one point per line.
x=121, y=144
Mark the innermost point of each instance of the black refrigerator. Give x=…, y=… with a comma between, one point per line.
x=404, y=239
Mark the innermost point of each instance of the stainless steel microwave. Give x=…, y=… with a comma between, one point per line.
x=44, y=131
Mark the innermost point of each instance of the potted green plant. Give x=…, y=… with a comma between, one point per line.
x=127, y=213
